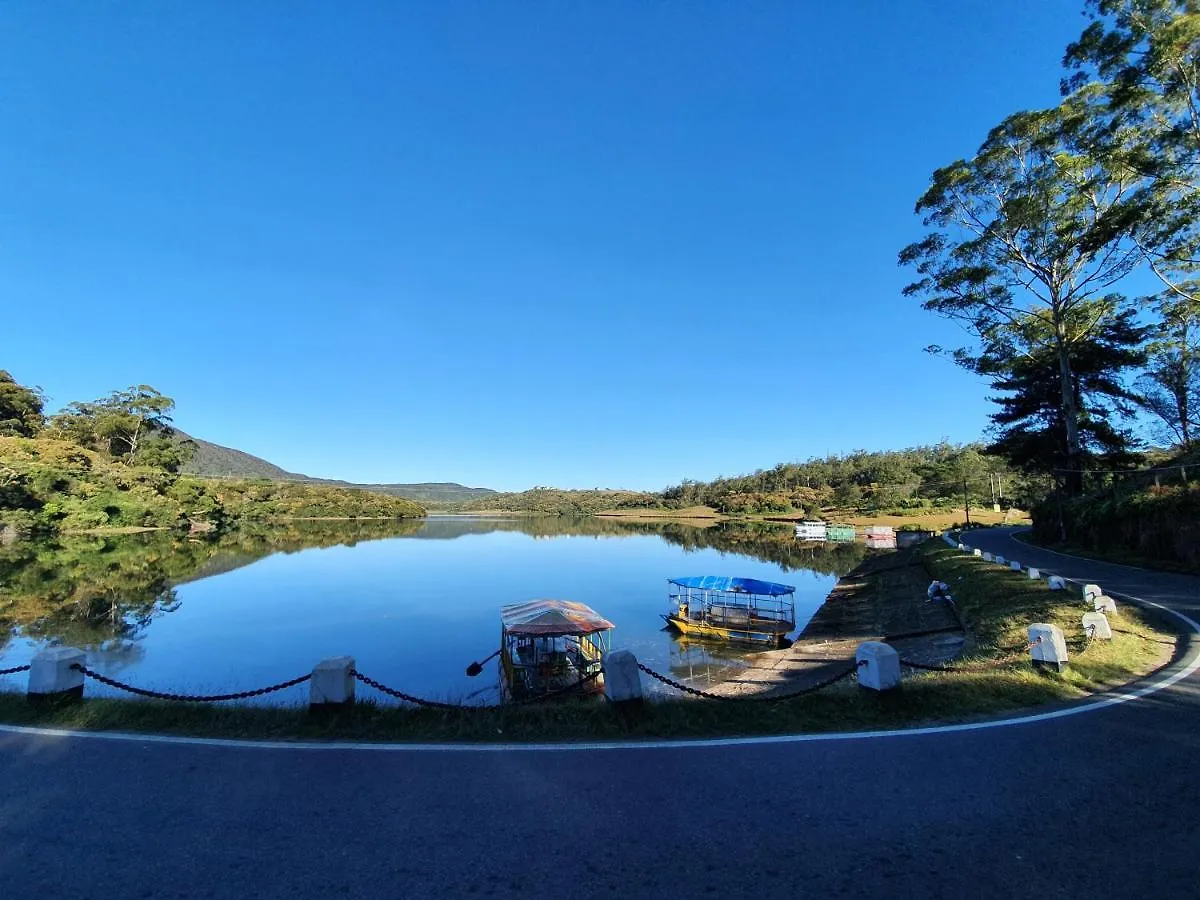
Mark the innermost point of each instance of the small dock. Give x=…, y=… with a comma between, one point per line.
x=884, y=598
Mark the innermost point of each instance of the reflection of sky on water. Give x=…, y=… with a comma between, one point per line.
x=414, y=613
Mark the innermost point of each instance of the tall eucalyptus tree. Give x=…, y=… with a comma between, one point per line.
x=1142, y=59
x=1027, y=239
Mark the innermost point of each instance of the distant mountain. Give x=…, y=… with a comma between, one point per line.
x=214, y=461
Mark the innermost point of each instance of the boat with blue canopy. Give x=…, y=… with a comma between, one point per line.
x=732, y=609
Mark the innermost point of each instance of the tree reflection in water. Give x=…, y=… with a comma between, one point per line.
x=101, y=593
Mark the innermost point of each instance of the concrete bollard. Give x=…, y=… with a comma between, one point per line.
x=1096, y=625
x=1014, y=565
x=1050, y=651
x=331, y=683
x=878, y=665
x=50, y=673
x=977, y=552
x=1104, y=604
x=1091, y=590
x=962, y=546
x=987, y=557
x=622, y=680
x=1057, y=583
x=1034, y=574
x=999, y=560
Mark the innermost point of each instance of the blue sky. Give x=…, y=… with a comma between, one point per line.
x=507, y=244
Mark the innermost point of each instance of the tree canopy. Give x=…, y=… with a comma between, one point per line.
x=1026, y=240
x=20, y=408
x=133, y=425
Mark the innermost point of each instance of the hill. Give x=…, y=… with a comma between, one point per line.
x=51, y=484
x=214, y=461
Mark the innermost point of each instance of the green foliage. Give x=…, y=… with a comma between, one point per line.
x=552, y=501
x=20, y=408
x=63, y=486
x=861, y=480
x=1026, y=238
x=1152, y=516
x=132, y=425
x=1170, y=387
x=1029, y=428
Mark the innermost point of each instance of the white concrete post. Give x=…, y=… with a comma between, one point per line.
x=622, y=680
x=1095, y=625
x=1091, y=590
x=331, y=682
x=987, y=557
x=977, y=552
x=878, y=666
x=1014, y=565
x=1057, y=583
x=1104, y=604
x=1050, y=649
x=962, y=546
x=50, y=672
x=1034, y=574
x=998, y=559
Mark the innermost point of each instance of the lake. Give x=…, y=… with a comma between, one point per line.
x=413, y=602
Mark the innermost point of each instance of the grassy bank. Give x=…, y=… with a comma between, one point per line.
x=997, y=603
x=931, y=520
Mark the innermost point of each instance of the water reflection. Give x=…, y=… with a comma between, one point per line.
x=103, y=594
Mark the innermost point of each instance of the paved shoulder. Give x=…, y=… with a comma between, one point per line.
x=1176, y=591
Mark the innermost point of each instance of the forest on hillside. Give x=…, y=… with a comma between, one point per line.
x=115, y=463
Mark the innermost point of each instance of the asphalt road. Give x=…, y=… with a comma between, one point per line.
x=1093, y=805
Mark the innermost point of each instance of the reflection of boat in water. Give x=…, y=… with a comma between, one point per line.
x=548, y=646
x=811, y=531
x=697, y=661
x=881, y=537
x=732, y=609
x=842, y=534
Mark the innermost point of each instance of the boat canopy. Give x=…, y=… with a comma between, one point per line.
x=734, y=585
x=552, y=618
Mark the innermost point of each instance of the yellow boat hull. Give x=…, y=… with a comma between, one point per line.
x=768, y=633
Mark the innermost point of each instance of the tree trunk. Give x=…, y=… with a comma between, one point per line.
x=1070, y=415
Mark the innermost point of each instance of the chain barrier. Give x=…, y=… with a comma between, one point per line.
x=679, y=686
x=437, y=704
x=1145, y=637
x=400, y=695
x=14, y=670
x=188, y=698
x=978, y=667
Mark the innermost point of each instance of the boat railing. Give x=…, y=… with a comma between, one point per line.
x=729, y=608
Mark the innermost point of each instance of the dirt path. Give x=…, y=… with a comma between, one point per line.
x=883, y=598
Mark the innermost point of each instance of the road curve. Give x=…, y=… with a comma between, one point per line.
x=1094, y=805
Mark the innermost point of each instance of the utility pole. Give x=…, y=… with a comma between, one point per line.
x=966, y=502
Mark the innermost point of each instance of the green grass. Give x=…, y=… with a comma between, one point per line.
x=997, y=603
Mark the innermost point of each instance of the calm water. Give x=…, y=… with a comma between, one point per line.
x=414, y=603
